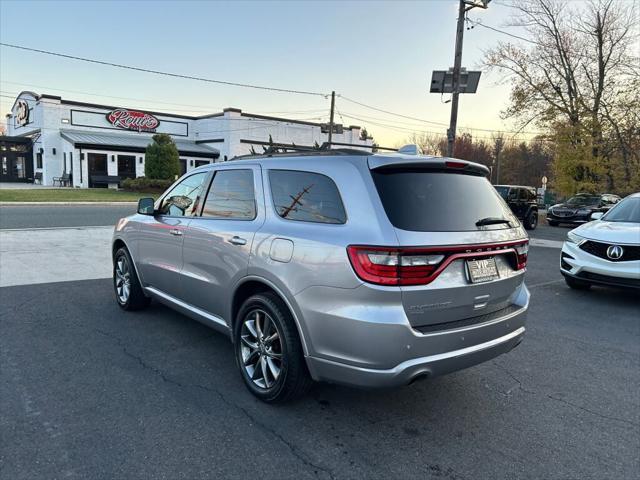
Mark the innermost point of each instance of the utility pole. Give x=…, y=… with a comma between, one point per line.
x=464, y=6
x=333, y=107
x=457, y=63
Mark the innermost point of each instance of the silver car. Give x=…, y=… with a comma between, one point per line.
x=371, y=270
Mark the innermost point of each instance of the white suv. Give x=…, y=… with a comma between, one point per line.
x=605, y=251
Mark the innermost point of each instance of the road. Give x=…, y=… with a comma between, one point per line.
x=90, y=391
x=49, y=216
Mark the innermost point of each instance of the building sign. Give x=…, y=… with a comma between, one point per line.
x=22, y=112
x=133, y=120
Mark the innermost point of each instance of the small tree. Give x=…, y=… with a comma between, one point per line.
x=162, y=160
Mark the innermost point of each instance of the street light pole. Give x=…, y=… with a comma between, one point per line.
x=457, y=63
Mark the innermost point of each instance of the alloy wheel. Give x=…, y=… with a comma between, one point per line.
x=261, y=349
x=122, y=279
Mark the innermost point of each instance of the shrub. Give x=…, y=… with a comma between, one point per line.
x=162, y=160
x=145, y=185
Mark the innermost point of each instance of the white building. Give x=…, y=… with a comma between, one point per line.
x=99, y=145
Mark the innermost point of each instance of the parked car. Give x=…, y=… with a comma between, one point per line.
x=338, y=266
x=523, y=202
x=578, y=209
x=605, y=251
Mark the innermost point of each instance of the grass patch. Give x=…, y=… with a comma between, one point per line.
x=70, y=195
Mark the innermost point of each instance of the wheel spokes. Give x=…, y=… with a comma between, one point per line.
x=260, y=349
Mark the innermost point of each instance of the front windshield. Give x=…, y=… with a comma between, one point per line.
x=584, y=200
x=628, y=210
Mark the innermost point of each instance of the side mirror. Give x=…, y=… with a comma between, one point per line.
x=596, y=215
x=146, y=206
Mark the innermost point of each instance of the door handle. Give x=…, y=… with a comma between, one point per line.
x=176, y=232
x=237, y=240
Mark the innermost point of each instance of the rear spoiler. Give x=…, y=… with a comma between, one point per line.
x=384, y=162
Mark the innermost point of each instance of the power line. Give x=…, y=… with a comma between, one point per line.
x=391, y=113
x=159, y=72
x=476, y=23
x=417, y=130
x=440, y=124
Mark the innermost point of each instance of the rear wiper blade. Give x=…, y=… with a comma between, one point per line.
x=492, y=221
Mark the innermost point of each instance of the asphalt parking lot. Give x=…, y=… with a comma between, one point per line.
x=90, y=391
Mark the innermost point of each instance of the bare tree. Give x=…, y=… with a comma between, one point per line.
x=570, y=78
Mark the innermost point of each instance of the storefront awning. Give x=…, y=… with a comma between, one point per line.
x=132, y=143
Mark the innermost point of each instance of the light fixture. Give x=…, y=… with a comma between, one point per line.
x=113, y=158
x=54, y=150
x=140, y=160
x=191, y=162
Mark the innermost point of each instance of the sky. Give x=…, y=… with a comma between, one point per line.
x=380, y=53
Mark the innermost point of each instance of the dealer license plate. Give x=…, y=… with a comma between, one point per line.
x=482, y=270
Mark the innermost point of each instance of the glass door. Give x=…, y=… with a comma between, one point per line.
x=97, y=168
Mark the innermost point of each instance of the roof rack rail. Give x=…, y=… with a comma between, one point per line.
x=280, y=149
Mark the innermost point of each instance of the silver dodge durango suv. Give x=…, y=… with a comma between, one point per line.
x=371, y=270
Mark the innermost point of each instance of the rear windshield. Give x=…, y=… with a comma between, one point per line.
x=503, y=191
x=427, y=201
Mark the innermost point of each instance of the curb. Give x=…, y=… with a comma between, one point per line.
x=17, y=204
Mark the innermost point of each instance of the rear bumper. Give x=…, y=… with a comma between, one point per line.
x=415, y=369
x=385, y=351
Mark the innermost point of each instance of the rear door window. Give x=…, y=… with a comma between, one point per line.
x=306, y=197
x=428, y=201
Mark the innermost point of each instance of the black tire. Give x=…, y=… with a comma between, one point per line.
x=531, y=222
x=552, y=223
x=577, y=284
x=293, y=379
x=136, y=299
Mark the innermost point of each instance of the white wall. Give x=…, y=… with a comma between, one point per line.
x=228, y=132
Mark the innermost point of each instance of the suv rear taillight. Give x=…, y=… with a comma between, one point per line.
x=522, y=250
x=420, y=266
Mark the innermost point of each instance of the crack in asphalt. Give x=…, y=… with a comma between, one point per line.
x=295, y=451
x=519, y=386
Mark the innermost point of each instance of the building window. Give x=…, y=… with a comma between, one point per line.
x=38, y=160
x=127, y=166
x=199, y=163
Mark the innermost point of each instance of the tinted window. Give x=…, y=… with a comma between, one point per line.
x=628, y=210
x=503, y=191
x=231, y=196
x=306, y=196
x=183, y=199
x=424, y=201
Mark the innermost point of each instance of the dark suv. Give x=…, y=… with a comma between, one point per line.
x=578, y=209
x=523, y=203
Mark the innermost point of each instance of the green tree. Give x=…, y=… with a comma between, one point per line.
x=162, y=160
